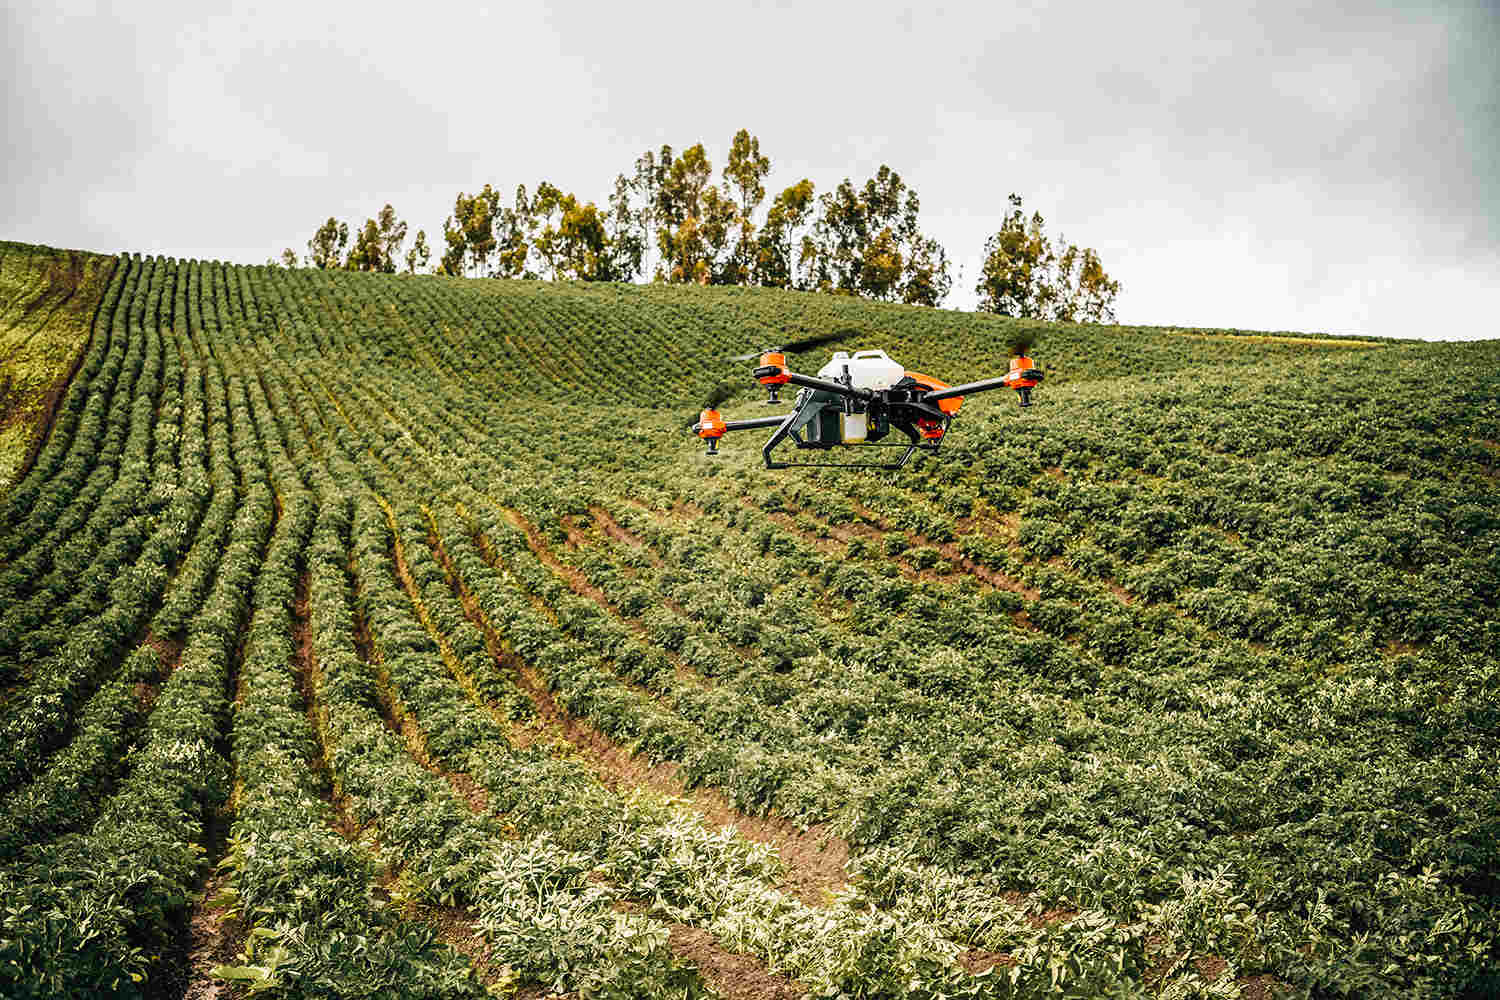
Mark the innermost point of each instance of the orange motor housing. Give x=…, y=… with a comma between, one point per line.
x=930, y=430
x=1023, y=373
x=1023, y=376
x=710, y=425
x=778, y=360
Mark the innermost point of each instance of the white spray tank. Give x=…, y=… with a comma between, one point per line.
x=867, y=370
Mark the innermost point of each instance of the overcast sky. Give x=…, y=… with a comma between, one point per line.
x=1285, y=167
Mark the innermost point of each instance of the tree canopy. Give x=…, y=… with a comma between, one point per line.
x=1024, y=274
x=666, y=219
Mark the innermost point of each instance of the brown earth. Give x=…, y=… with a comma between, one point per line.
x=977, y=960
x=215, y=937
x=459, y=930
x=169, y=650
x=614, y=530
x=732, y=975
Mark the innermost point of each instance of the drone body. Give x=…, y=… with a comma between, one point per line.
x=858, y=401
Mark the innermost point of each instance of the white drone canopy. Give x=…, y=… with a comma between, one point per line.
x=866, y=369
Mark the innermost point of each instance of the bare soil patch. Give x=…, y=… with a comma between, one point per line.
x=615, y=530
x=459, y=929
x=216, y=937
x=732, y=975
x=169, y=650
x=977, y=960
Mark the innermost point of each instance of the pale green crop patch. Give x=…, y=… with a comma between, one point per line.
x=47, y=302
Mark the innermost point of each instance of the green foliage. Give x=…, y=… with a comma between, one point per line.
x=1025, y=275
x=377, y=246
x=866, y=242
x=1022, y=341
x=470, y=232
x=419, y=254
x=1143, y=676
x=784, y=248
x=326, y=248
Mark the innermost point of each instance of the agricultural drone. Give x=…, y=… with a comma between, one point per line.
x=859, y=400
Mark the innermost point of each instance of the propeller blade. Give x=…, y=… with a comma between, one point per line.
x=806, y=343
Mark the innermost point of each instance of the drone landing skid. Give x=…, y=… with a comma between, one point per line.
x=916, y=445
x=772, y=463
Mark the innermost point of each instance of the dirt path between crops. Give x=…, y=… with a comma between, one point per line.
x=815, y=859
x=615, y=530
x=733, y=976
x=214, y=937
x=458, y=928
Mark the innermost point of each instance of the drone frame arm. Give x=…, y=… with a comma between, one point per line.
x=967, y=389
x=750, y=425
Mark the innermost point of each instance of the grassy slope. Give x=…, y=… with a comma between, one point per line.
x=47, y=301
x=1259, y=581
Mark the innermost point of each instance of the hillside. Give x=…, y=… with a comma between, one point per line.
x=402, y=620
x=47, y=302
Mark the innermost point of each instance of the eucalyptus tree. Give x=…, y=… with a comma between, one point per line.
x=1024, y=274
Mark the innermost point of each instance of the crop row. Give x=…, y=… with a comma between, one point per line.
x=397, y=452
x=1209, y=677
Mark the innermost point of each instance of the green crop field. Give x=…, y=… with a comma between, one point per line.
x=47, y=301
x=374, y=635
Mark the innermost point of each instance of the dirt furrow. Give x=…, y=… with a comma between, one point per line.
x=615, y=530
x=814, y=857
x=579, y=582
x=732, y=975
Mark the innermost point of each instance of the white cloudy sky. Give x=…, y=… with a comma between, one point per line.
x=1288, y=166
